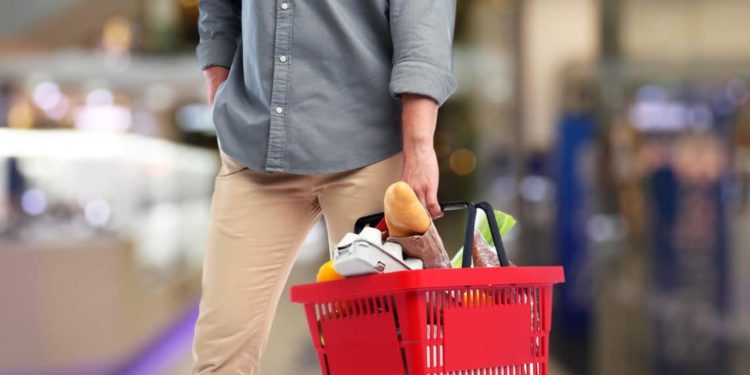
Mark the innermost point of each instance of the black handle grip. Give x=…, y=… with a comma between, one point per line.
x=502, y=256
x=374, y=219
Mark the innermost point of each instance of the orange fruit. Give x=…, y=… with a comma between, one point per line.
x=477, y=298
x=328, y=273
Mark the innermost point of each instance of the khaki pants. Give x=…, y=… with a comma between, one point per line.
x=258, y=222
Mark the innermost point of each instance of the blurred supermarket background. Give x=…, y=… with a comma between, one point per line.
x=617, y=132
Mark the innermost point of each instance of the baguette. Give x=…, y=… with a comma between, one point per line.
x=404, y=214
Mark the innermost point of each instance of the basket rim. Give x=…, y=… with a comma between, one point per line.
x=405, y=281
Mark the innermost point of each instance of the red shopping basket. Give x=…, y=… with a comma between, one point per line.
x=438, y=321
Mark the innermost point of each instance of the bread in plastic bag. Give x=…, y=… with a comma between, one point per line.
x=482, y=254
x=428, y=247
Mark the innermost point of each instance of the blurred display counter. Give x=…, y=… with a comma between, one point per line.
x=70, y=184
x=76, y=66
x=101, y=245
x=82, y=306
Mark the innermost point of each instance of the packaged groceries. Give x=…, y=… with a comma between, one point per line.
x=482, y=254
x=365, y=253
x=428, y=247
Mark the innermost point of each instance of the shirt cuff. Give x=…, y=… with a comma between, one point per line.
x=213, y=52
x=419, y=77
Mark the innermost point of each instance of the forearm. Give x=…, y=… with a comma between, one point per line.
x=420, y=169
x=419, y=118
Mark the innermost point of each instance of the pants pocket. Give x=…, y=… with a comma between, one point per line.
x=229, y=166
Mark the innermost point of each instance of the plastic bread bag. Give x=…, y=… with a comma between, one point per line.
x=428, y=247
x=505, y=223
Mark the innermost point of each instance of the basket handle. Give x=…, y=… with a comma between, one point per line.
x=374, y=219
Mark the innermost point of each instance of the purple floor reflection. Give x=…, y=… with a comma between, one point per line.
x=166, y=351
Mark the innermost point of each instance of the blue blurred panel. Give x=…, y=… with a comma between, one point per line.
x=689, y=273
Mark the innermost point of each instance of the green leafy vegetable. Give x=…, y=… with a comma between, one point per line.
x=505, y=223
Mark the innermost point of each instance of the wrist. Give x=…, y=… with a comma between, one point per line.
x=418, y=143
x=418, y=150
x=418, y=123
x=215, y=73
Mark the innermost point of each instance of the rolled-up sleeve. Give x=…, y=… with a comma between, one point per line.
x=422, y=33
x=219, y=28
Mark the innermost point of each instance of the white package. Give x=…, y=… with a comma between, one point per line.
x=365, y=254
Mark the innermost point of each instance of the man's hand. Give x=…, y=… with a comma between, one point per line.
x=420, y=161
x=214, y=76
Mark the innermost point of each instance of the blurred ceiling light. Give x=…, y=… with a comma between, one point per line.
x=100, y=96
x=117, y=35
x=21, y=115
x=97, y=212
x=114, y=119
x=463, y=162
x=46, y=95
x=33, y=202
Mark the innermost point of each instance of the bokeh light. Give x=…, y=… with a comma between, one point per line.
x=97, y=212
x=34, y=202
x=117, y=34
x=20, y=115
x=463, y=162
x=47, y=95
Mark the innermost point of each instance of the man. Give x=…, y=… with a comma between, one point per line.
x=319, y=105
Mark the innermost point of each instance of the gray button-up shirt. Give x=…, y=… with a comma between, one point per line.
x=313, y=84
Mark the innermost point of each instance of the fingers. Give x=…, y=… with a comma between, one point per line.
x=428, y=198
x=421, y=197
x=433, y=206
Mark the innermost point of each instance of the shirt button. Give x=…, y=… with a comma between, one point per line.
x=285, y=6
x=282, y=58
x=279, y=110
